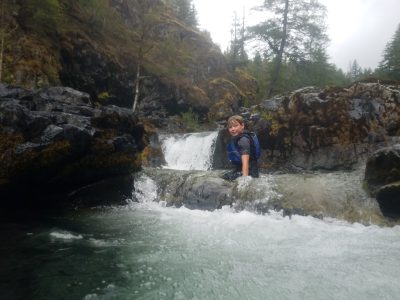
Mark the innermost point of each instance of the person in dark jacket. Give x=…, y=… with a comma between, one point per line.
x=247, y=164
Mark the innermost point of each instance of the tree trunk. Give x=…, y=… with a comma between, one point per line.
x=279, y=56
x=2, y=37
x=1, y=54
x=137, y=87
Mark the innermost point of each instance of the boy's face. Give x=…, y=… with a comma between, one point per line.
x=235, y=128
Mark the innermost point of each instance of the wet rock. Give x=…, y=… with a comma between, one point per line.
x=335, y=195
x=152, y=155
x=383, y=167
x=64, y=95
x=55, y=139
x=228, y=99
x=382, y=176
x=207, y=193
x=51, y=133
x=332, y=128
x=220, y=157
x=194, y=189
x=388, y=197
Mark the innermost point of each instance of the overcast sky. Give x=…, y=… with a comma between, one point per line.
x=358, y=29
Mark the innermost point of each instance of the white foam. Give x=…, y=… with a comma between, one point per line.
x=65, y=235
x=145, y=189
x=253, y=252
x=243, y=182
x=190, y=151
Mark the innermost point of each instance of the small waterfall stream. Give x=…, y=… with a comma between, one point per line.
x=189, y=151
x=187, y=180
x=147, y=250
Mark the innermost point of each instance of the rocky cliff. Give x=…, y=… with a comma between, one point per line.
x=332, y=128
x=96, y=47
x=56, y=140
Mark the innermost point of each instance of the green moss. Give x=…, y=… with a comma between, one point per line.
x=190, y=120
x=266, y=115
x=103, y=97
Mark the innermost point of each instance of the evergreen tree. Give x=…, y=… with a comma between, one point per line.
x=236, y=53
x=355, y=72
x=316, y=71
x=296, y=74
x=338, y=77
x=390, y=64
x=192, y=18
x=260, y=69
x=186, y=11
x=293, y=30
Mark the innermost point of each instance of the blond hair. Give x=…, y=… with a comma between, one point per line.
x=235, y=119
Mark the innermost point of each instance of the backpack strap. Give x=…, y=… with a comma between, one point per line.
x=248, y=135
x=233, y=148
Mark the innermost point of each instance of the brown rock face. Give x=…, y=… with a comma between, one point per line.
x=330, y=128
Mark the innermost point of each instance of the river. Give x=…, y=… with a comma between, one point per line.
x=145, y=250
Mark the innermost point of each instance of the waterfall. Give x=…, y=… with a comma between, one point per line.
x=191, y=151
x=335, y=195
x=150, y=249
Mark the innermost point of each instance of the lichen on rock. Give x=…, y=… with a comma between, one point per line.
x=55, y=139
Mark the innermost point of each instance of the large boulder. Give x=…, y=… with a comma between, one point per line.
x=55, y=139
x=332, y=128
x=382, y=176
x=228, y=98
x=320, y=195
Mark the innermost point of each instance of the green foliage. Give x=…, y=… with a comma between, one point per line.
x=390, y=64
x=266, y=115
x=42, y=16
x=261, y=70
x=7, y=27
x=51, y=75
x=356, y=73
x=103, y=97
x=293, y=32
x=293, y=51
x=190, y=120
x=185, y=11
x=294, y=75
x=300, y=25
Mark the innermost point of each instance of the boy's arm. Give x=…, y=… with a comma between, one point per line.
x=245, y=164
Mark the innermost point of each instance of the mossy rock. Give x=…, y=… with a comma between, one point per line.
x=228, y=98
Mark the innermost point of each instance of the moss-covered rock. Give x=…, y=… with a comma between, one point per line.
x=55, y=139
x=332, y=128
x=229, y=98
x=94, y=47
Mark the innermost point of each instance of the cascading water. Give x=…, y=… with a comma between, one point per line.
x=189, y=151
x=146, y=250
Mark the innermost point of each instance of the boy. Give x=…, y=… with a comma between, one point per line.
x=245, y=152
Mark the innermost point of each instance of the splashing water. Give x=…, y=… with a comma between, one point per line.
x=145, y=250
x=145, y=189
x=189, y=152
